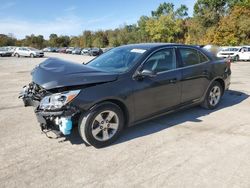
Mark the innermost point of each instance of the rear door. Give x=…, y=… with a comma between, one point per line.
x=195, y=74
x=154, y=95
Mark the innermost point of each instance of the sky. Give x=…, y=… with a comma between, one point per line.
x=26, y=17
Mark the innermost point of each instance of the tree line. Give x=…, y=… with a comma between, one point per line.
x=219, y=22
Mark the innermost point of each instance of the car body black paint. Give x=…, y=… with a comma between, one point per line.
x=143, y=98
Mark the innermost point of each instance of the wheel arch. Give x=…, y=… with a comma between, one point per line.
x=218, y=79
x=221, y=81
x=120, y=104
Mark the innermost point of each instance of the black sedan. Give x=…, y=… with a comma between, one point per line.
x=123, y=87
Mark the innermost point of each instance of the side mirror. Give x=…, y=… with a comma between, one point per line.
x=144, y=73
x=148, y=73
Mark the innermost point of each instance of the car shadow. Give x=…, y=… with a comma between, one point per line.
x=193, y=114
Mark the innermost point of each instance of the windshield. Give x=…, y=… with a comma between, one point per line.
x=117, y=60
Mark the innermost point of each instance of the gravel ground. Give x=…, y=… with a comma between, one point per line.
x=191, y=148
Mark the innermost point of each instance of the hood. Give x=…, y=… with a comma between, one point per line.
x=56, y=73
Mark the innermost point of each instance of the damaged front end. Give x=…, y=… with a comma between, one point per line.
x=54, y=111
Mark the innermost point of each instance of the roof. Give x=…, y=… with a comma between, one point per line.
x=148, y=46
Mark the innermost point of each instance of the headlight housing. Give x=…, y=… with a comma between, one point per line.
x=58, y=100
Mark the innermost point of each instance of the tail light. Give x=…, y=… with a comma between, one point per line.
x=228, y=63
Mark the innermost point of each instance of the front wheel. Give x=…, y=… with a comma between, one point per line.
x=213, y=96
x=102, y=125
x=32, y=55
x=17, y=55
x=237, y=58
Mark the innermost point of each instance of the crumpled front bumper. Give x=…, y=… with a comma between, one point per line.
x=59, y=120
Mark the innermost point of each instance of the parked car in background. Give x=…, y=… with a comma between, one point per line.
x=57, y=50
x=85, y=51
x=95, y=51
x=11, y=49
x=46, y=49
x=28, y=52
x=243, y=54
x=162, y=78
x=62, y=50
x=69, y=50
x=49, y=49
x=77, y=51
x=4, y=52
x=231, y=52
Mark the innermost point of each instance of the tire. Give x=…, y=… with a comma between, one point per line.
x=213, y=96
x=94, y=124
x=32, y=55
x=17, y=55
x=237, y=58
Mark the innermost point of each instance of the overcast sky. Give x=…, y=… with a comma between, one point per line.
x=25, y=17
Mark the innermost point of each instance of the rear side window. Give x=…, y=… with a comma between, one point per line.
x=192, y=57
x=203, y=58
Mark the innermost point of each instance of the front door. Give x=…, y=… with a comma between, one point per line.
x=154, y=95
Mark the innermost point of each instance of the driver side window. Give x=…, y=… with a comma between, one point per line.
x=161, y=61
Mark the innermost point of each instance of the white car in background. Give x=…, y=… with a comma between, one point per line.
x=244, y=53
x=236, y=53
x=28, y=52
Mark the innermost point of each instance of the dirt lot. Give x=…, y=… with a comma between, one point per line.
x=192, y=148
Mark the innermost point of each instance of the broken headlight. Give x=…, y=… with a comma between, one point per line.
x=58, y=100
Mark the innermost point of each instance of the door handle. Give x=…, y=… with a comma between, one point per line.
x=173, y=81
x=205, y=72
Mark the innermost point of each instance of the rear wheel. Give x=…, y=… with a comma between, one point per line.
x=213, y=96
x=17, y=55
x=102, y=125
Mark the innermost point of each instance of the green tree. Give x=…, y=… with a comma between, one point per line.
x=87, y=38
x=75, y=41
x=100, y=39
x=52, y=40
x=209, y=12
x=234, y=29
x=167, y=24
x=34, y=41
x=7, y=40
x=142, y=35
x=163, y=9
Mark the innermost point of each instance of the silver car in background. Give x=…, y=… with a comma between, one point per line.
x=28, y=52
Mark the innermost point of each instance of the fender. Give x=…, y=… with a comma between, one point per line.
x=218, y=77
x=117, y=101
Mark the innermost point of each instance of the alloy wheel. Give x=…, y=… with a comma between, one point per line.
x=105, y=125
x=214, y=95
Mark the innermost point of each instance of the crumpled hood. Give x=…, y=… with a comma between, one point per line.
x=56, y=73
